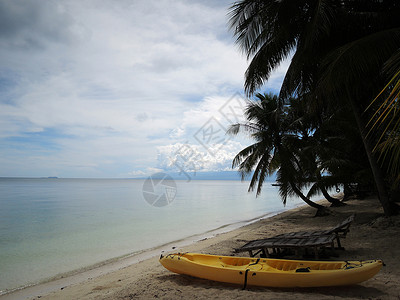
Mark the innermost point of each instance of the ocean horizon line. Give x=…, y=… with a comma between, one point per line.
x=223, y=175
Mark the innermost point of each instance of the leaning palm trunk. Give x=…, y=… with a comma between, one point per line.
x=321, y=210
x=293, y=166
x=334, y=202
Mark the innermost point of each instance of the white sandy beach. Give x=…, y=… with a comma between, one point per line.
x=371, y=236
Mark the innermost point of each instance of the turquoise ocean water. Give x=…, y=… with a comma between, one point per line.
x=53, y=226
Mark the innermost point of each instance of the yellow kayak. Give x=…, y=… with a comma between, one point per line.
x=271, y=272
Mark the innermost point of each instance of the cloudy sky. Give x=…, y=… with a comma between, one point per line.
x=118, y=88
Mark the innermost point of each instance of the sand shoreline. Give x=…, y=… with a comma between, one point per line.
x=146, y=278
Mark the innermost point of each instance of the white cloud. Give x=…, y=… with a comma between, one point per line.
x=93, y=88
x=202, y=143
x=195, y=158
x=225, y=109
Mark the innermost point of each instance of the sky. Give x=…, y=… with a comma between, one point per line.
x=119, y=89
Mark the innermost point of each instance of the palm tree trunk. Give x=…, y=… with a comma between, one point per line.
x=389, y=207
x=334, y=202
x=321, y=210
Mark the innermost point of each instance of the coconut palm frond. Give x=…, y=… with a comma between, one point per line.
x=385, y=121
x=338, y=49
x=246, y=20
x=363, y=57
x=267, y=59
x=262, y=170
x=249, y=128
x=242, y=155
x=323, y=17
x=260, y=27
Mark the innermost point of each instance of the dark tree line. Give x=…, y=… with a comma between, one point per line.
x=335, y=120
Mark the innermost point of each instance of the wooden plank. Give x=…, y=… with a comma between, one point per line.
x=287, y=242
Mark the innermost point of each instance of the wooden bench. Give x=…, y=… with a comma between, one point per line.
x=276, y=246
x=340, y=231
x=299, y=240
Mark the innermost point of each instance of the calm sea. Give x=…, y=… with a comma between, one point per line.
x=54, y=226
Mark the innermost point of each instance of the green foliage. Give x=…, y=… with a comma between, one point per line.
x=286, y=142
x=338, y=49
x=385, y=122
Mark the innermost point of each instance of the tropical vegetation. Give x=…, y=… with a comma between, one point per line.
x=342, y=86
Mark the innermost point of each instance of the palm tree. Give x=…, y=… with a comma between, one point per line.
x=360, y=82
x=269, y=31
x=325, y=38
x=268, y=124
x=313, y=150
x=385, y=121
x=339, y=150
